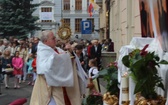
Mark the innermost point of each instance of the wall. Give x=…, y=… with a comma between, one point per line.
x=102, y=16
x=124, y=22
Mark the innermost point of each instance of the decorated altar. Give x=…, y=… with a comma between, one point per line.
x=139, y=43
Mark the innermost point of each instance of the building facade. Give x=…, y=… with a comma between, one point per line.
x=121, y=21
x=51, y=12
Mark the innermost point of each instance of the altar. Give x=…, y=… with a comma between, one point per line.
x=139, y=42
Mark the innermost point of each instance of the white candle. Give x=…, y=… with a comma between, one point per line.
x=125, y=88
x=124, y=81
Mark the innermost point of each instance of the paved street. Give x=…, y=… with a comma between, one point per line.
x=11, y=94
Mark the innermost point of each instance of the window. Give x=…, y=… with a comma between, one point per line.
x=78, y=4
x=78, y=25
x=66, y=4
x=46, y=14
x=47, y=9
x=67, y=22
x=93, y=26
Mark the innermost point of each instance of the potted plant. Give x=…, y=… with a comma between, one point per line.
x=93, y=99
x=110, y=75
x=143, y=70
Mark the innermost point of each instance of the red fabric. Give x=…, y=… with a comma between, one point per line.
x=56, y=51
x=66, y=98
x=34, y=64
x=90, y=9
x=19, y=101
x=89, y=50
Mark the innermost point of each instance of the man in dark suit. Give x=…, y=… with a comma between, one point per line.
x=35, y=43
x=96, y=52
x=110, y=45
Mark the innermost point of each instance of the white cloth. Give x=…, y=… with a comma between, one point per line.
x=165, y=78
x=82, y=76
x=139, y=42
x=136, y=42
x=57, y=68
x=156, y=47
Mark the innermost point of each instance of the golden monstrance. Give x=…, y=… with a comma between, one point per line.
x=64, y=32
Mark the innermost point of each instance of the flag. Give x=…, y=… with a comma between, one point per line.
x=92, y=7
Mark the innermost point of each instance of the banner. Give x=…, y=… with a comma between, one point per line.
x=154, y=20
x=92, y=8
x=46, y=15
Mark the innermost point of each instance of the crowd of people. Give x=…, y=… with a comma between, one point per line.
x=65, y=66
x=15, y=58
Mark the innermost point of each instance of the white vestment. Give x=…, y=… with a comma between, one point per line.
x=57, y=68
x=55, y=71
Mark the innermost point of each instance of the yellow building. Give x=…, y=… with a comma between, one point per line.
x=123, y=17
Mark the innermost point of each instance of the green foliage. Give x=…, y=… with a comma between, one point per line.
x=110, y=75
x=143, y=66
x=16, y=17
x=93, y=100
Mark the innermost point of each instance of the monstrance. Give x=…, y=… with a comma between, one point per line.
x=64, y=32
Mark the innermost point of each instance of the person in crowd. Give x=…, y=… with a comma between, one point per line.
x=110, y=45
x=34, y=68
x=30, y=45
x=14, y=48
x=17, y=63
x=93, y=71
x=80, y=63
x=30, y=69
x=103, y=44
x=1, y=53
x=6, y=63
x=35, y=43
x=5, y=46
x=96, y=52
x=21, y=41
x=23, y=52
x=11, y=38
x=1, y=46
x=56, y=84
x=1, y=76
x=79, y=53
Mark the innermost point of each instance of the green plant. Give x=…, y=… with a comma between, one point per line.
x=143, y=70
x=110, y=75
x=93, y=99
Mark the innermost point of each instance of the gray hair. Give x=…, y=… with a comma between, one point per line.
x=44, y=35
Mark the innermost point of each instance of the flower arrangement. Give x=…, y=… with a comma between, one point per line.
x=143, y=70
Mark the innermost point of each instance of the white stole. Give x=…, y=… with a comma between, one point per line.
x=82, y=75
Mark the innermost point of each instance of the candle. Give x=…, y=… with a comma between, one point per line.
x=125, y=89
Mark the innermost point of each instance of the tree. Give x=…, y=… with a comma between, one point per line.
x=16, y=17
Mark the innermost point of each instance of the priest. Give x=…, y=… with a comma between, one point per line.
x=57, y=80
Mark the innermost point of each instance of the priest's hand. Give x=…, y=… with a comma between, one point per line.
x=68, y=47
